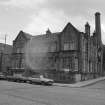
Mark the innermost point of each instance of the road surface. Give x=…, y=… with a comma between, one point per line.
x=12, y=93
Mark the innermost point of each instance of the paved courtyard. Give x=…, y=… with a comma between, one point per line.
x=12, y=93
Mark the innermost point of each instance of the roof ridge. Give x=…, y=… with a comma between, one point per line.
x=70, y=25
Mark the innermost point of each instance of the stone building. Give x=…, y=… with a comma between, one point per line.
x=18, y=53
x=66, y=56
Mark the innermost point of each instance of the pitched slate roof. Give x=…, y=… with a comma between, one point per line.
x=69, y=25
x=24, y=34
x=27, y=35
x=50, y=37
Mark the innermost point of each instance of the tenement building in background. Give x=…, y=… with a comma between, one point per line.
x=5, y=57
x=71, y=55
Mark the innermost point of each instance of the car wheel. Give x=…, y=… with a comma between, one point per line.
x=30, y=82
x=27, y=81
x=42, y=83
x=22, y=81
x=49, y=83
x=17, y=81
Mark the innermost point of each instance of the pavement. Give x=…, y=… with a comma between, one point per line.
x=12, y=93
x=82, y=83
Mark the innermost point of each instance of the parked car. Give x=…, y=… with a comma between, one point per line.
x=16, y=78
x=2, y=76
x=20, y=79
x=40, y=79
x=10, y=78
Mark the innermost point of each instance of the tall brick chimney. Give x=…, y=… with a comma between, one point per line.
x=100, y=46
x=98, y=26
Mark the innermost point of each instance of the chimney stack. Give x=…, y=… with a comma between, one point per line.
x=87, y=29
x=98, y=26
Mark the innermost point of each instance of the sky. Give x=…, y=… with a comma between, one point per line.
x=36, y=16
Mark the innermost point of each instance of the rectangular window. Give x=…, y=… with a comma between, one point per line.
x=18, y=50
x=68, y=63
x=66, y=46
x=76, y=64
x=69, y=45
x=53, y=47
x=22, y=63
x=72, y=45
x=17, y=64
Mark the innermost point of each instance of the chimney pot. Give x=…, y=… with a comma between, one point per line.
x=97, y=13
x=87, y=29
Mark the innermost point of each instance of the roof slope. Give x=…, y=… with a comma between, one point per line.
x=50, y=37
x=23, y=34
x=68, y=27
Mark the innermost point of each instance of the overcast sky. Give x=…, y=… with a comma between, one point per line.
x=36, y=16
